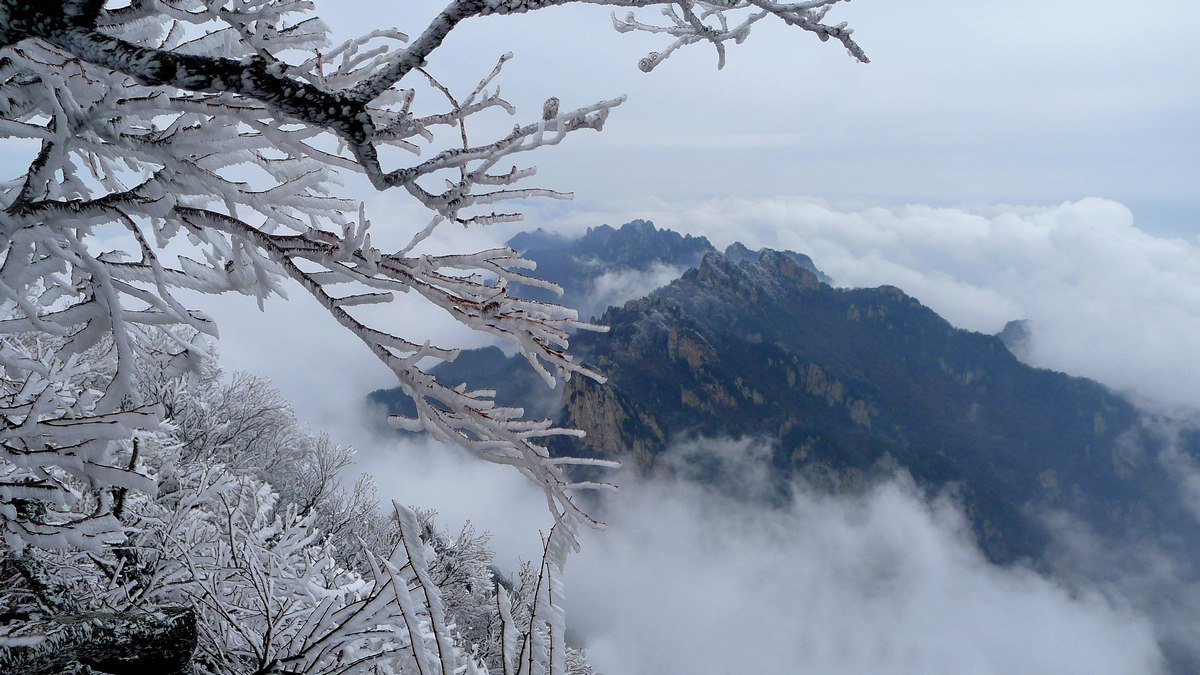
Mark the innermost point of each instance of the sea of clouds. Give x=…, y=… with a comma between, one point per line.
x=887, y=581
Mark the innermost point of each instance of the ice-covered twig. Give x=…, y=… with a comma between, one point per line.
x=228, y=125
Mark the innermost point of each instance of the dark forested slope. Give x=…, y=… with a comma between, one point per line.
x=849, y=385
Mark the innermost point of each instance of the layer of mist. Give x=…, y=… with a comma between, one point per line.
x=886, y=581
x=883, y=582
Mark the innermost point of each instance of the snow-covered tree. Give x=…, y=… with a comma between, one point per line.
x=223, y=563
x=225, y=123
x=198, y=144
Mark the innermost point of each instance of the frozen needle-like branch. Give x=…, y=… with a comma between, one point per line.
x=199, y=146
x=228, y=124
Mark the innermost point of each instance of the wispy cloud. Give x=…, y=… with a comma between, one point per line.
x=1155, y=579
x=884, y=582
x=616, y=287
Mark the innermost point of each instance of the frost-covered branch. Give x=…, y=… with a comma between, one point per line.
x=200, y=146
x=690, y=22
x=221, y=129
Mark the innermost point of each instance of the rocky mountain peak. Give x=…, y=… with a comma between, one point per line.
x=765, y=276
x=639, y=243
x=842, y=383
x=737, y=252
x=1018, y=337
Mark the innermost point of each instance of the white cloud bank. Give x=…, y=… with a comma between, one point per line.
x=1106, y=300
x=883, y=583
x=880, y=584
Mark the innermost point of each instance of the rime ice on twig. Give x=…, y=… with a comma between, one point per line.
x=222, y=127
x=227, y=124
x=690, y=22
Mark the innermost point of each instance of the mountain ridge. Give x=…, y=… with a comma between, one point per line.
x=849, y=384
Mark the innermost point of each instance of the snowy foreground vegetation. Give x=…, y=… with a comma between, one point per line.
x=158, y=518
x=284, y=568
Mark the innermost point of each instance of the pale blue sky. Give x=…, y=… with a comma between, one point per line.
x=972, y=104
x=1009, y=115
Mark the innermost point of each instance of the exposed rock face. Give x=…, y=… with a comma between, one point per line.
x=736, y=253
x=614, y=428
x=691, y=348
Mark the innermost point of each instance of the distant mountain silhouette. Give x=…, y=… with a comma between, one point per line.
x=627, y=258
